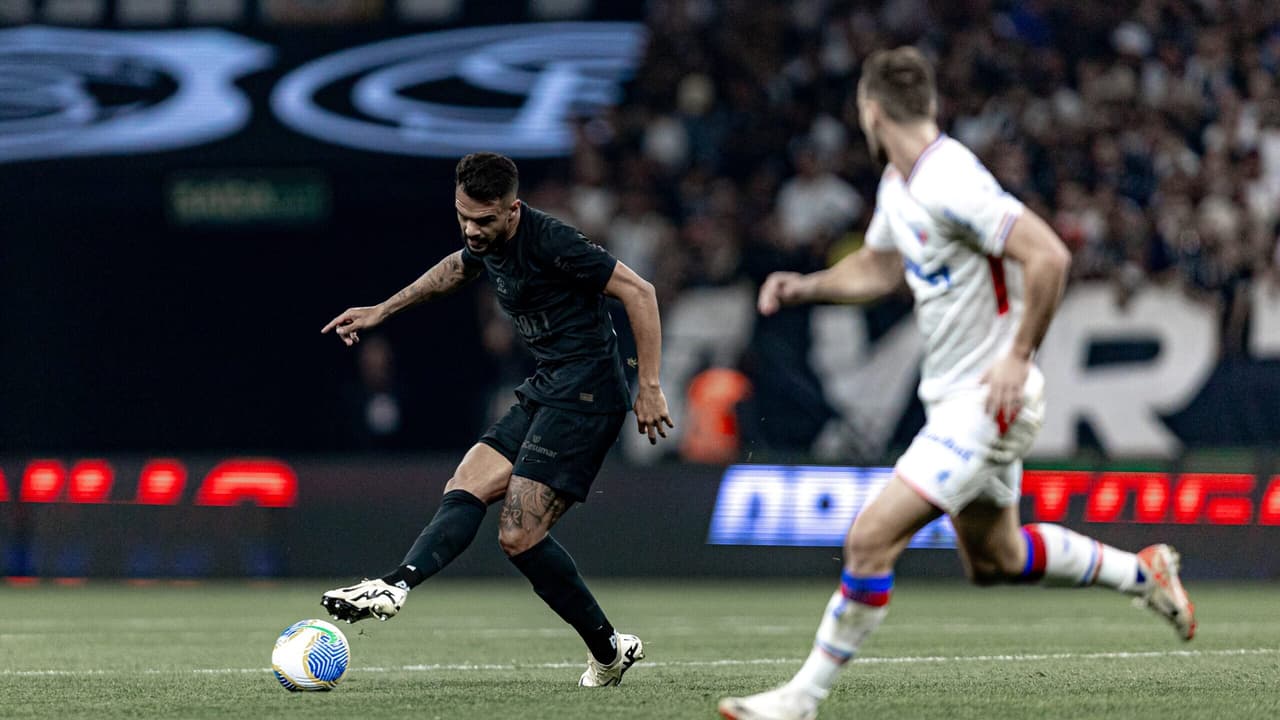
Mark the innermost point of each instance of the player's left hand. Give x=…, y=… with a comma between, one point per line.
x=651, y=413
x=1005, y=382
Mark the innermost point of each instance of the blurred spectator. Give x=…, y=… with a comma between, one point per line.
x=640, y=236
x=1107, y=116
x=1148, y=133
x=815, y=205
x=376, y=400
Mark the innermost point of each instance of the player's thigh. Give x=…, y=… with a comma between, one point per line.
x=483, y=472
x=989, y=540
x=884, y=528
x=486, y=468
x=947, y=462
x=564, y=449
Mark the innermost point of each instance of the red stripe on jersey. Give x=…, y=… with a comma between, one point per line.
x=997, y=280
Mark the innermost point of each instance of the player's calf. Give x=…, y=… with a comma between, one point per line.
x=1060, y=557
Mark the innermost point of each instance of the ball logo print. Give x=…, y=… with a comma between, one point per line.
x=546, y=74
x=66, y=92
x=310, y=655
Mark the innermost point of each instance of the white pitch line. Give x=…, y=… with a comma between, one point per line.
x=907, y=660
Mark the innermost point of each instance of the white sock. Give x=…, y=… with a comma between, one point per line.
x=1066, y=558
x=845, y=624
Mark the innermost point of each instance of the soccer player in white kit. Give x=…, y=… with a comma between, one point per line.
x=987, y=275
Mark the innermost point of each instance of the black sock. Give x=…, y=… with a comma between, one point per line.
x=555, y=579
x=452, y=529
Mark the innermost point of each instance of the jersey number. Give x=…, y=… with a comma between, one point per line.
x=532, y=325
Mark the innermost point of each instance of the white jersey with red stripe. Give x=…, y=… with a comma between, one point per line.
x=949, y=220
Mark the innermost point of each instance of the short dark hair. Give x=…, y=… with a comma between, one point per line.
x=487, y=176
x=901, y=80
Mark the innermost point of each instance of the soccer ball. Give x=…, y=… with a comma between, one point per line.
x=310, y=655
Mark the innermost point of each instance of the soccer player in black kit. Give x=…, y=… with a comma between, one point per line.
x=543, y=455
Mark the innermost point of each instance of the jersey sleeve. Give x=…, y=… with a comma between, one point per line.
x=965, y=196
x=878, y=236
x=577, y=259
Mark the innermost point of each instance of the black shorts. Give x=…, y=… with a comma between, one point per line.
x=561, y=449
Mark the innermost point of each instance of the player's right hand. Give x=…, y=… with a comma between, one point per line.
x=352, y=320
x=779, y=289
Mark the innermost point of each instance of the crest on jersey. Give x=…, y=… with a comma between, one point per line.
x=67, y=92
x=401, y=96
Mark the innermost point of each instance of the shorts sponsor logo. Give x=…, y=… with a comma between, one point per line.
x=949, y=444
x=531, y=445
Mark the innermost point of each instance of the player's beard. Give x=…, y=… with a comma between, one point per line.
x=487, y=246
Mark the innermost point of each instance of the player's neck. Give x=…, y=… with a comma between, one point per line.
x=905, y=143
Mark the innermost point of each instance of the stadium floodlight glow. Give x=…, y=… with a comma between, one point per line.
x=558, y=71
x=179, y=89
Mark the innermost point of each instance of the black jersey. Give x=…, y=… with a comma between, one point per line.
x=549, y=279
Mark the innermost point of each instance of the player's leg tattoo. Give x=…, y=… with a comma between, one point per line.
x=530, y=510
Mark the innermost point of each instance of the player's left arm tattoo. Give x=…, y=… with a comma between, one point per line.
x=443, y=278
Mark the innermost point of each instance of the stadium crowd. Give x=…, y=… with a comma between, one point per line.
x=1148, y=134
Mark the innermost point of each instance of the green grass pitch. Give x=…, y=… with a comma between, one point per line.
x=490, y=649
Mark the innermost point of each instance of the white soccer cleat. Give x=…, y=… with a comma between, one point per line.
x=1164, y=593
x=630, y=651
x=370, y=598
x=782, y=703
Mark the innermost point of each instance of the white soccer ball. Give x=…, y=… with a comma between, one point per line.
x=310, y=655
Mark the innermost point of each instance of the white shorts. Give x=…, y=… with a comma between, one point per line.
x=961, y=455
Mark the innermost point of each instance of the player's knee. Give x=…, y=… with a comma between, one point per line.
x=489, y=492
x=866, y=554
x=984, y=573
x=992, y=570
x=515, y=540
